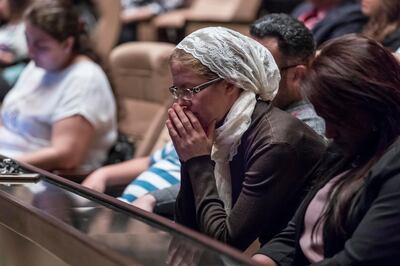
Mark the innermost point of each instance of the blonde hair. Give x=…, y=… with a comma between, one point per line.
x=186, y=59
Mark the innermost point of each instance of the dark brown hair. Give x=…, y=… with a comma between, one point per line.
x=385, y=20
x=355, y=75
x=17, y=8
x=295, y=42
x=60, y=20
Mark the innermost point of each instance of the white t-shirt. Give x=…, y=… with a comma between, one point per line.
x=40, y=98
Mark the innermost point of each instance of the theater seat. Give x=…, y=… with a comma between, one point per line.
x=141, y=76
x=211, y=12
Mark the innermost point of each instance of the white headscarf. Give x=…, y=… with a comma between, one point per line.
x=245, y=63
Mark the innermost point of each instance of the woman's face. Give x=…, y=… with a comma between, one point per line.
x=47, y=52
x=353, y=134
x=4, y=10
x=207, y=105
x=370, y=7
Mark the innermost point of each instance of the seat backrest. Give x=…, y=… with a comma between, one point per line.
x=246, y=10
x=162, y=139
x=210, y=10
x=224, y=10
x=234, y=14
x=141, y=76
x=237, y=15
x=105, y=34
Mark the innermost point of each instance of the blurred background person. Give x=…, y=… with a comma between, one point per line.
x=293, y=47
x=61, y=112
x=140, y=175
x=354, y=208
x=13, y=47
x=383, y=21
x=328, y=19
x=134, y=11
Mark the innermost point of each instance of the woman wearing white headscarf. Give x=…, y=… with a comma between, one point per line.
x=243, y=161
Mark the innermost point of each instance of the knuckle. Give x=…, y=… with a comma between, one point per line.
x=179, y=126
x=186, y=123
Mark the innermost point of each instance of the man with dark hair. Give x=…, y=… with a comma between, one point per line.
x=292, y=46
x=293, y=38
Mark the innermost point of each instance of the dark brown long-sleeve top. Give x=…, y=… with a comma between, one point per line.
x=267, y=175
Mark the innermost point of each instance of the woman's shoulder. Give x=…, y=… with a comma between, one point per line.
x=392, y=40
x=388, y=164
x=83, y=65
x=87, y=71
x=280, y=122
x=272, y=126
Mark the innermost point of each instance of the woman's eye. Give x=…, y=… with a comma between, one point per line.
x=42, y=48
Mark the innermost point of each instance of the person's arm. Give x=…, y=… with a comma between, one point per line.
x=160, y=201
x=6, y=57
x=185, y=206
x=281, y=249
x=165, y=200
x=190, y=141
x=146, y=202
x=264, y=260
x=116, y=174
x=267, y=185
x=266, y=188
x=130, y=15
x=376, y=240
x=70, y=141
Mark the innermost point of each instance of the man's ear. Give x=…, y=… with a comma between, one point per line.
x=298, y=74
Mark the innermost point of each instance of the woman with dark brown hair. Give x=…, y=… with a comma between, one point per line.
x=384, y=21
x=351, y=216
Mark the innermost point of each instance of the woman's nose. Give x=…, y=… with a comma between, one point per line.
x=182, y=102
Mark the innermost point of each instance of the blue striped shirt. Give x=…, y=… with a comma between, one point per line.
x=164, y=171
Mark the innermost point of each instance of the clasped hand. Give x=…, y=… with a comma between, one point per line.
x=187, y=134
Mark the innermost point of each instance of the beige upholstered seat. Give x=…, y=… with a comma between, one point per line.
x=141, y=77
x=210, y=11
x=162, y=139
